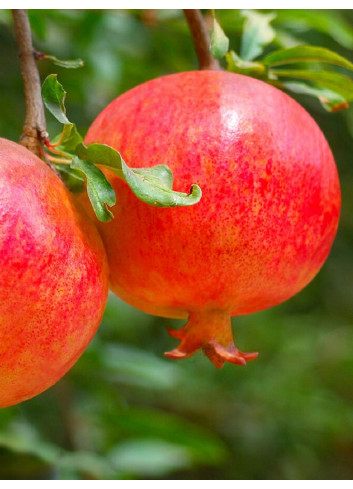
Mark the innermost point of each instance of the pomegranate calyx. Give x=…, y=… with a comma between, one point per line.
x=211, y=331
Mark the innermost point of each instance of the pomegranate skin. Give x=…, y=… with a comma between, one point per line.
x=53, y=276
x=268, y=214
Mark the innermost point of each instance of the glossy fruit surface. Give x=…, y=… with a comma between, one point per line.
x=53, y=276
x=265, y=223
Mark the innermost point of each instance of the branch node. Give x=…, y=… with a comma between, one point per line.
x=38, y=55
x=30, y=139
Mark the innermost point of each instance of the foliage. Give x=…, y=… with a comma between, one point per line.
x=151, y=185
x=333, y=90
x=124, y=411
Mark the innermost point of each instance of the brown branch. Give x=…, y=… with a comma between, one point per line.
x=34, y=129
x=201, y=39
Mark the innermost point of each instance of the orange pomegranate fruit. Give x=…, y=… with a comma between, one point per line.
x=265, y=223
x=53, y=276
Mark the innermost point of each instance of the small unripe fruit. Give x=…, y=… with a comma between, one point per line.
x=265, y=223
x=53, y=276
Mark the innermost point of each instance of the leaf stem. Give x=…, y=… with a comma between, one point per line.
x=52, y=148
x=60, y=161
x=34, y=130
x=201, y=39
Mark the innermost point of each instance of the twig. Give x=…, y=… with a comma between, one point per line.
x=34, y=129
x=201, y=39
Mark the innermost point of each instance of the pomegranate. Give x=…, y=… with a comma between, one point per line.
x=265, y=223
x=53, y=276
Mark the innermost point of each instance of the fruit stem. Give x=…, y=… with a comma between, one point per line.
x=201, y=39
x=34, y=129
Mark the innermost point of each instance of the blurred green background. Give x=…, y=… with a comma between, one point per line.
x=124, y=411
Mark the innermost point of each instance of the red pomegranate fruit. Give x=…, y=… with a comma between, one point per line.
x=266, y=220
x=53, y=276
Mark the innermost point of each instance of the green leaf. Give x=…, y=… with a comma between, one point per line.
x=329, y=22
x=219, y=41
x=99, y=190
x=72, y=178
x=69, y=139
x=81, y=463
x=151, y=185
x=130, y=366
x=53, y=95
x=237, y=65
x=150, y=457
x=205, y=446
x=257, y=33
x=340, y=84
x=303, y=54
x=22, y=438
x=331, y=101
x=68, y=63
x=103, y=155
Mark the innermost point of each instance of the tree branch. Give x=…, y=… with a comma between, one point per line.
x=201, y=39
x=34, y=129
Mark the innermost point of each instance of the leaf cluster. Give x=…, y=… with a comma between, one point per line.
x=333, y=89
x=79, y=164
